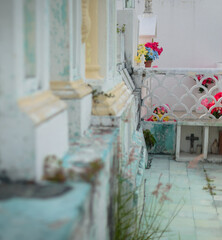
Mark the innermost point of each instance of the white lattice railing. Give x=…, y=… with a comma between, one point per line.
x=176, y=92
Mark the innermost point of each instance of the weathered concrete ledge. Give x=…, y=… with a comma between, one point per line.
x=134, y=171
x=36, y=219
x=73, y=215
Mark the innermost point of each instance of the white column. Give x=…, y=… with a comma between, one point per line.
x=178, y=142
x=101, y=45
x=33, y=121
x=129, y=18
x=66, y=80
x=205, y=141
x=92, y=43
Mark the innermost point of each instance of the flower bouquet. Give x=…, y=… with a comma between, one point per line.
x=150, y=51
x=206, y=82
x=217, y=111
x=159, y=111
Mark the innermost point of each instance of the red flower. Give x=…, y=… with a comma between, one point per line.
x=217, y=111
x=209, y=105
x=159, y=50
x=150, y=119
x=207, y=80
x=149, y=45
x=218, y=96
x=154, y=46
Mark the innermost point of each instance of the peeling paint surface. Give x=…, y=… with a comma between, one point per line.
x=69, y=213
x=59, y=40
x=68, y=216
x=165, y=135
x=30, y=37
x=92, y=146
x=75, y=214
x=29, y=219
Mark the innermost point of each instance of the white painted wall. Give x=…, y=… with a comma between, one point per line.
x=50, y=139
x=186, y=132
x=189, y=32
x=119, y=4
x=213, y=134
x=107, y=43
x=24, y=145
x=129, y=17
x=79, y=115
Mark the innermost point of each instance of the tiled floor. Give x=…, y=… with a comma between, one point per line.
x=201, y=215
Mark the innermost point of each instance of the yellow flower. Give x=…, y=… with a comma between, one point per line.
x=143, y=51
x=137, y=59
x=160, y=116
x=140, y=46
x=166, y=119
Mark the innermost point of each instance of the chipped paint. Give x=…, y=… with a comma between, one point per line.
x=165, y=135
x=30, y=37
x=59, y=40
x=65, y=72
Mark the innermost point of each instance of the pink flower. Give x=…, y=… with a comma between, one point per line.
x=162, y=108
x=159, y=111
x=209, y=105
x=217, y=111
x=205, y=102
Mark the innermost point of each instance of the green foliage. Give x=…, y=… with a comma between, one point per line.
x=149, y=138
x=133, y=224
x=121, y=29
x=216, y=114
x=201, y=90
x=209, y=187
x=124, y=216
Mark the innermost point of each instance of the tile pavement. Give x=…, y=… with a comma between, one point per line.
x=201, y=215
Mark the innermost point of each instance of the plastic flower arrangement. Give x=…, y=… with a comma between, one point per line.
x=150, y=51
x=205, y=82
x=217, y=111
x=159, y=111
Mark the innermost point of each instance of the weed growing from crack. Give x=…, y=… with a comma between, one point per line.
x=209, y=187
x=142, y=222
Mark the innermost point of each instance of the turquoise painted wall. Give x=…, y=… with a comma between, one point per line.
x=165, y=135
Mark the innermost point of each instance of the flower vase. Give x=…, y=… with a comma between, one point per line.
x=148, y=63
